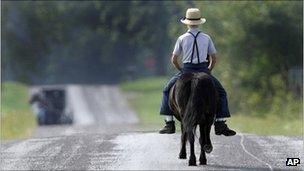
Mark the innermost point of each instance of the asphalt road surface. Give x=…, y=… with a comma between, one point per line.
x=107, y=136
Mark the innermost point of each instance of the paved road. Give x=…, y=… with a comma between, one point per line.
x=101, y=144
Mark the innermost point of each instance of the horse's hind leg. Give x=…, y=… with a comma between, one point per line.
x=182, y=153
x=202, y=159
x=208, y=146
x=192, y=159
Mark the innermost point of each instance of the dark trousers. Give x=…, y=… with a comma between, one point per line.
x=223, y=111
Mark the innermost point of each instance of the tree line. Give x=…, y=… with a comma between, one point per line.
x=259, y=44
x=87, y=41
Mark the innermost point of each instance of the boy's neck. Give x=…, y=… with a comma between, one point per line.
x=193, y=28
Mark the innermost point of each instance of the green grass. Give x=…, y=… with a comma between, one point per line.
x=145, y=98
x=270, y=125
x=17, y=119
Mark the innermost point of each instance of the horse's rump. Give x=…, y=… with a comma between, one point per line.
x=193, y=98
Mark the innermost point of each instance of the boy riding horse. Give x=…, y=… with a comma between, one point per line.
x=195, y=47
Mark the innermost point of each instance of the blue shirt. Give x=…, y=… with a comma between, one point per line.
x=184, y=46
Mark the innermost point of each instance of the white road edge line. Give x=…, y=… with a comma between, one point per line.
x=243, y=146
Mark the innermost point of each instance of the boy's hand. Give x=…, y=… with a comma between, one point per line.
x=209, y=71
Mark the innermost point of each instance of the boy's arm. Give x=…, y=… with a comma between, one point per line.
x=212, y=56
x=175, y=63
x=212, y=63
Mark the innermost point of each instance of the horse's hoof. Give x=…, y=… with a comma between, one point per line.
x=204, y=162
x=192, y=161
x=208, y=148
x=182, y=156
x=192, y=164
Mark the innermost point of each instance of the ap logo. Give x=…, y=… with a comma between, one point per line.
x=292, y=161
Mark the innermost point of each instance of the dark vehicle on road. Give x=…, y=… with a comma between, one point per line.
x=52, y=107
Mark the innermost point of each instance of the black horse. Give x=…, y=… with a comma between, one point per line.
x=194, y=100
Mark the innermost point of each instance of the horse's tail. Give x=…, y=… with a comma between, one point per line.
x=200, y=103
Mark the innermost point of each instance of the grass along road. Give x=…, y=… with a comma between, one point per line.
x=145, y=97
x=17, y=119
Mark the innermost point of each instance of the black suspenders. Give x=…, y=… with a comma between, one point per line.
x=195, y=46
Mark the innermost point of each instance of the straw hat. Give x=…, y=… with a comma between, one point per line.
x=193, y=17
